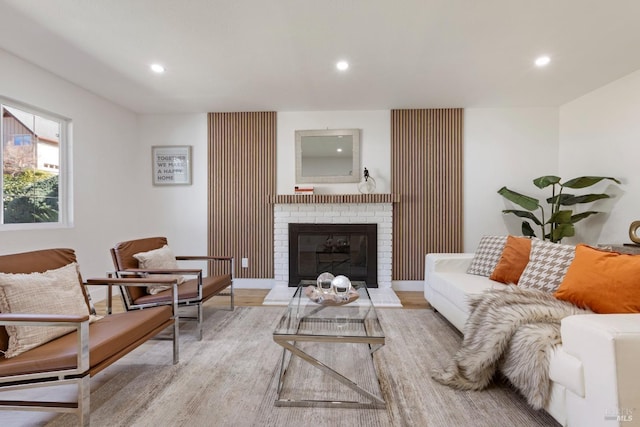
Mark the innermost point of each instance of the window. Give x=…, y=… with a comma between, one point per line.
x=22, y=140
x=34, y=180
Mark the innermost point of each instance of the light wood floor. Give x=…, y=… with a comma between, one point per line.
x=254, y=297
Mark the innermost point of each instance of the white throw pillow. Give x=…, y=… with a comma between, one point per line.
x=548, y=264
x=53, y=292
x=487, y=255
x=160, y=259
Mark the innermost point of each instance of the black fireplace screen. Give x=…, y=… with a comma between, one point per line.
x=347, y=249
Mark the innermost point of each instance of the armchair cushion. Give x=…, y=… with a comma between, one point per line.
x=211, y=285
x=52, y=292
x=161, y=258
x=109, y=338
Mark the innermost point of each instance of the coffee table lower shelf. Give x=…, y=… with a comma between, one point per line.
x=290, y=345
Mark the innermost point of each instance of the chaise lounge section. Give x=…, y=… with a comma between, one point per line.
x=593, y=375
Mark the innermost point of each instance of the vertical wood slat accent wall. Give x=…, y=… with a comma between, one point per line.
x=242, y=168
x=427, y=173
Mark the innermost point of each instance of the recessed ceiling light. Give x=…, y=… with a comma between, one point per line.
x=541, y=61
x=342, y=65
x=157, y=68
x=339, y=150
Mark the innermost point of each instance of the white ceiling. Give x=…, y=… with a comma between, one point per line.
x=280, y=55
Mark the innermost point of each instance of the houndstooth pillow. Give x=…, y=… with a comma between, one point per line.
x=487, y=255
x=548, y=263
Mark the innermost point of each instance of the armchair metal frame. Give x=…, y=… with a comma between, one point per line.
x=196, y=301
x=81, y=374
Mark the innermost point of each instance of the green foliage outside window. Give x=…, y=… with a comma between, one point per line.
x=30, y=196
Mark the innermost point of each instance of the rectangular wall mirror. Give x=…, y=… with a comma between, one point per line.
x=326, y=156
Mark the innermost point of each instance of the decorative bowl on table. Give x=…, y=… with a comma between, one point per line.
x=332, y=290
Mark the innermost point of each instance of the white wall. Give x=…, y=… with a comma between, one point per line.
x=509, y=146
x=504, y=147
x=375, y=146
x=106, y=173
x=114, y=198
x=178, y=212
x=600, y=135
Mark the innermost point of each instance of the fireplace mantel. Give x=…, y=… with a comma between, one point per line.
x=333, y=198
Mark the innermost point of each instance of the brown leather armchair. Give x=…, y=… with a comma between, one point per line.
x=78, y=355
x=193, y=292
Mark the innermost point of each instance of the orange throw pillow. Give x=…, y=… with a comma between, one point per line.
x=513, y=260
x=603, y=281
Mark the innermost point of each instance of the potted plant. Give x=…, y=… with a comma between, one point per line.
x=561, y=220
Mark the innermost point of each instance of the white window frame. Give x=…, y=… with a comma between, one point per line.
x=65, y=173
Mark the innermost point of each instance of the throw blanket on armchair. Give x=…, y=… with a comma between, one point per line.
x=514, y=330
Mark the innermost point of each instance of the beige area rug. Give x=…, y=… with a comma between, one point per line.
x=229, y=379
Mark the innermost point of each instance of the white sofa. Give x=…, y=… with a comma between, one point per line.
x=594, y=373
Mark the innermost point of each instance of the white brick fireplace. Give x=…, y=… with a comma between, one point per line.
x=292, y=211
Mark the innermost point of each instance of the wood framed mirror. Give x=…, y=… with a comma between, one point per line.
x=327, y=156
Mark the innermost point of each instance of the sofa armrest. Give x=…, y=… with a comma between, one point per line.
x=138, y=271
x=203, y=258
x=608, y=347
x=26, y=319
x=139, y=282
x=447, y=262
x=80, y=322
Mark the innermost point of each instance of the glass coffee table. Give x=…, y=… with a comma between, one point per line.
x=309, y=332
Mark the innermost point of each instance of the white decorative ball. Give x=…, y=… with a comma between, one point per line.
x=341, y=285
x=324, y=281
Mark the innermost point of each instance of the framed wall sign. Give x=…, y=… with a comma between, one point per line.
x=171, y=164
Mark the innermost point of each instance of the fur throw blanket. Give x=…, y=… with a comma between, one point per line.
x=513, y=330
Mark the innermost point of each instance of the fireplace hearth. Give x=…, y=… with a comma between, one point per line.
x=346, y=249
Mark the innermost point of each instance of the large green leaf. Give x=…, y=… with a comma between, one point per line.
x=553, y=200
x=562, y=231
x=560, y=217
x=529, y=203
x=523, y=214
x=572, y=199
x=584, y=198
x=527, y=230
x=578, y=217
x=587, y=181
x=545, y=181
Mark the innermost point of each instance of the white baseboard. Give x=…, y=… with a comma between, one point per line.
x=99, y=293
x=397, y=285
x=408, y=285
x=254, y=283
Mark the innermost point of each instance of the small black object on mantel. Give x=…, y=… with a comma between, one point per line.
x=368, y=185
